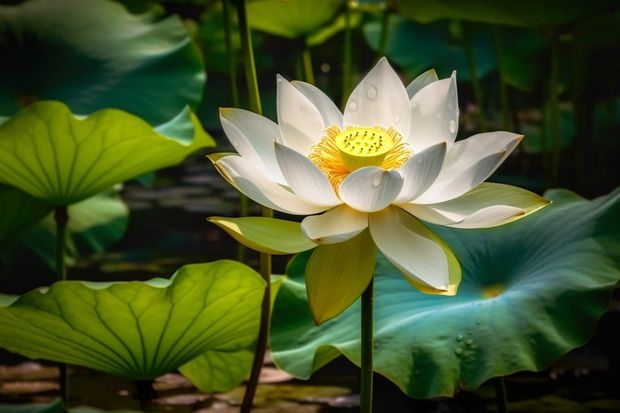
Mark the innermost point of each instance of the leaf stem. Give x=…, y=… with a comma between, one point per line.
x=306, y=58
x=265, y=259
x=500, y=395
x=503, y=88
x=61, y=216
x=367, y=338
x=473, y=75
x=554, y=108
x=244, y=205
x=347, y=58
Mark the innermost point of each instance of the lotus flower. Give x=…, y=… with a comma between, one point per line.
x=367, y=177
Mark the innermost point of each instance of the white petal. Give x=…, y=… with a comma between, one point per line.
x=379, y=99
x=434, y=114
x=487, y=205
x=300, y=121
x=462, y=154
x=421, y=81
x=457, y=182
x=304, y=178
x=371, y=188
x=420, y=171
x=260, y=188
x=404, y=241
x=252, y=135
x=336, y=225
x=328, y=109
x=479, y=154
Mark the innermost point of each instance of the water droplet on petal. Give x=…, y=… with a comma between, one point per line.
x=376, y=181
x=396, y=119
x=452, y=126
x=352, y=106
x=372, y=92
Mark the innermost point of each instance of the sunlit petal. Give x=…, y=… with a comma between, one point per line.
x=455, y=182
x=326, y=107
x=337, y=274
x=253, y=135
x=434, y=114
x=379, y=99
x=336, y=225
x=421, y=81
x=371, y=188
x=304, y=178
x=268, y=235
x=487, y=205
x=248, y=179
x=420, y=171
x=300, y=121
x=423, y=257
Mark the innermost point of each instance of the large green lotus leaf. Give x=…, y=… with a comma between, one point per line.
x=53, y=155
x=529, y=13
x=217, y=371
x=292, y=19
x=18, y=211
x=417, y=47
x=532, y=290
x=95, y=54
x=138, y=330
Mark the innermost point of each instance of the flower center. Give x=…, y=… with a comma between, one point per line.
x=341, y=152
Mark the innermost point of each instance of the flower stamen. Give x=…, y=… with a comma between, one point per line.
x=341, y=152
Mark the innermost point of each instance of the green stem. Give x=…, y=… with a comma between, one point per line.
x=473, y=76
x=503, y=88
x=145, y=393
x=265, y=259
x=367, y=332
x=244, y=205
x=306, y=58
x=500, y=395
x=248, y=57
x=61, y=217
x=554, y=109
x=347, y=58
x=383, y=36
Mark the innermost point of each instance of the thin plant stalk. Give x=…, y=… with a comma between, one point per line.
x=473, y=76
x=244, y=204
x=383, y=36
x=367, y=339
x=554, y=110
x=61, y=217
x=347, y=57
x=503, y=88
x=500, y=395
x=265, y=259
x=306, y=58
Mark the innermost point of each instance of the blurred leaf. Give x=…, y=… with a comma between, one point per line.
x=52, y=155
x=94, y=55
x=138, y=330
x=418, y=47
x=291, y=18
x=94, y=224
x=532, y=290
x=18, y=211
x=55, y=406
x=529, y=13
